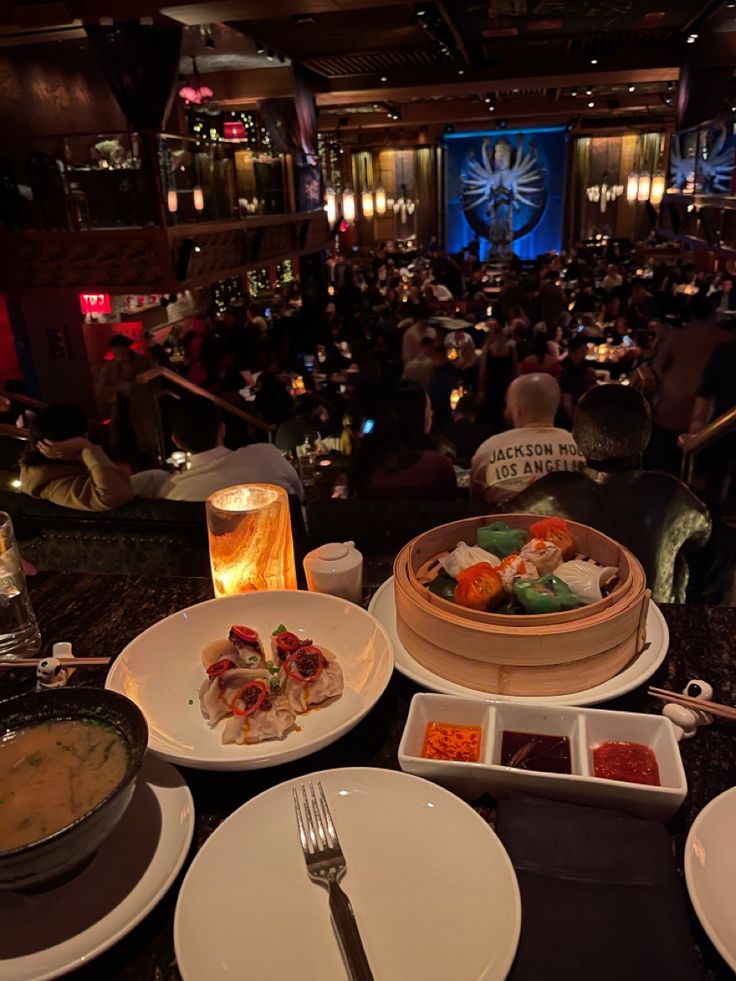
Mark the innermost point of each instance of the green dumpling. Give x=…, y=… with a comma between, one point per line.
x=501, y=539
x=546, y=595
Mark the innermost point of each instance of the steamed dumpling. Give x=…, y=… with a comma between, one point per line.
x=463, y=556
x=219, y=650
x=310, y=678
x=272, y=721
x=515, y=567
x=545, y=555
x=216, y=694
x=585, y=578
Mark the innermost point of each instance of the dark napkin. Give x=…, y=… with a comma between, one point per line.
x=600, y=897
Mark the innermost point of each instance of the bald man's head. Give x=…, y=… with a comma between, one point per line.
x=532, y=400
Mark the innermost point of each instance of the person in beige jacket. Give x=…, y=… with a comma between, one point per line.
x=62, y=466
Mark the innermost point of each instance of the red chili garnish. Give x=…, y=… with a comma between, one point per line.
x=220, y=667
x=288, y=643
x=251, y=697
x=244, y=635
x=305, y=665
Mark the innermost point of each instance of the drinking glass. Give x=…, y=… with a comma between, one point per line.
x=19, y=633
x=251, y=547
x=307, y=456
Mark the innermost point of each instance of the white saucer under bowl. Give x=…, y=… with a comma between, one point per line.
x=710, y=872
x=383, y=608
x=47, y=934
x=433, y=890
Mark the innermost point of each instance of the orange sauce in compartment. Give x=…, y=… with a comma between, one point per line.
x=460, y=744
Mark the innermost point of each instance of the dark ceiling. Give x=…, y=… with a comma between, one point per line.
x=428, y=64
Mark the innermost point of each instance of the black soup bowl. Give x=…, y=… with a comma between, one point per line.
x=48, y=861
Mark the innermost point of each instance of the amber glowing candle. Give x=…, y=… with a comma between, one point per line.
x=251, y=547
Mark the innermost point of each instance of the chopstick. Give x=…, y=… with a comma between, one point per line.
x=697, y=704
x=67, y=662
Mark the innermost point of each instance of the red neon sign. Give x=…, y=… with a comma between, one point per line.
x=234, y=131
x=95, y=303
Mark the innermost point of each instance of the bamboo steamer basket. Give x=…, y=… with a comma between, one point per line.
x=549, y=654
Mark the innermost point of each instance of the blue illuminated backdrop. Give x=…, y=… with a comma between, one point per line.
x=504, y=182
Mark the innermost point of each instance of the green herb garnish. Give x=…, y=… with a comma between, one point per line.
x=281, y=629
x=272, y=668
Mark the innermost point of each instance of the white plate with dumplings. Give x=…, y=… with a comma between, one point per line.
x=163, y=672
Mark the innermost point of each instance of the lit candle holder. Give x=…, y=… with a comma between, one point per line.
x=251, y=547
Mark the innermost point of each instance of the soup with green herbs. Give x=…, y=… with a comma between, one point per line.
x=53, y=773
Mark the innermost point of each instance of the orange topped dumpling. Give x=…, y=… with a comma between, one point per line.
x=545, y=555
x=479, y=587
x=515, y=567
x=557, y=531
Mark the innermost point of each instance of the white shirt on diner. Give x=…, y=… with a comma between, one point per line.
x=507, y=463
x=212, y=470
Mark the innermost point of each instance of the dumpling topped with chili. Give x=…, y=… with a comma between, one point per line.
x=243, y=647
x=309, y=677
x=256, y=706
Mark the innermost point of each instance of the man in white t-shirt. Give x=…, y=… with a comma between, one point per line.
x=197, y=428
x=507, y=463
x=413, y=338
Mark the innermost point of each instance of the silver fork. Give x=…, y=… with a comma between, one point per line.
x=326, y=865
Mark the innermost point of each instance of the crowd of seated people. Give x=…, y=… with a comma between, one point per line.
x=420, y=367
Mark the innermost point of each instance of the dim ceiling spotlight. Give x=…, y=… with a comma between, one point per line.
x=491, y=102
x=270, y=54
x=671, y=86
x=461, y=71
x=384, y=78
x=692, y=38
x=632, y=88
x=421, y=12
x=594, y=60
x=574, y=93
x=197, y=247
x=502, y=123
x=730, y=4
x=259, y=47
x=589, y=91
x=591, y=104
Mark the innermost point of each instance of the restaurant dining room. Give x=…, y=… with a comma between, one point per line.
x=367, y=498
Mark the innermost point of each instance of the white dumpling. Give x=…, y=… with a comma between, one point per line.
x=585, y=578
x=545, y=555
x=220, y=649
x=248, y=645
x=216, y=694
x=463, y=556
x=304, y=695
x=265, y=723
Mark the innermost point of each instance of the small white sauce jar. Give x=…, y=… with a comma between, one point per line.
x=336, y=568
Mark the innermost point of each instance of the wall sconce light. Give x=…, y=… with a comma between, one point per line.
x=172, y=201
x=198, y=198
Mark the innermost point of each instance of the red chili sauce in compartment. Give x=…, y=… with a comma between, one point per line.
x=534, y=751
x=631, y=762
x=461, y=744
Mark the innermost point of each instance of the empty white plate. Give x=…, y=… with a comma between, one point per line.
x=433, y=890
x=383, y=607
x=710, y=872
x=47, y=934
x=161, y=671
